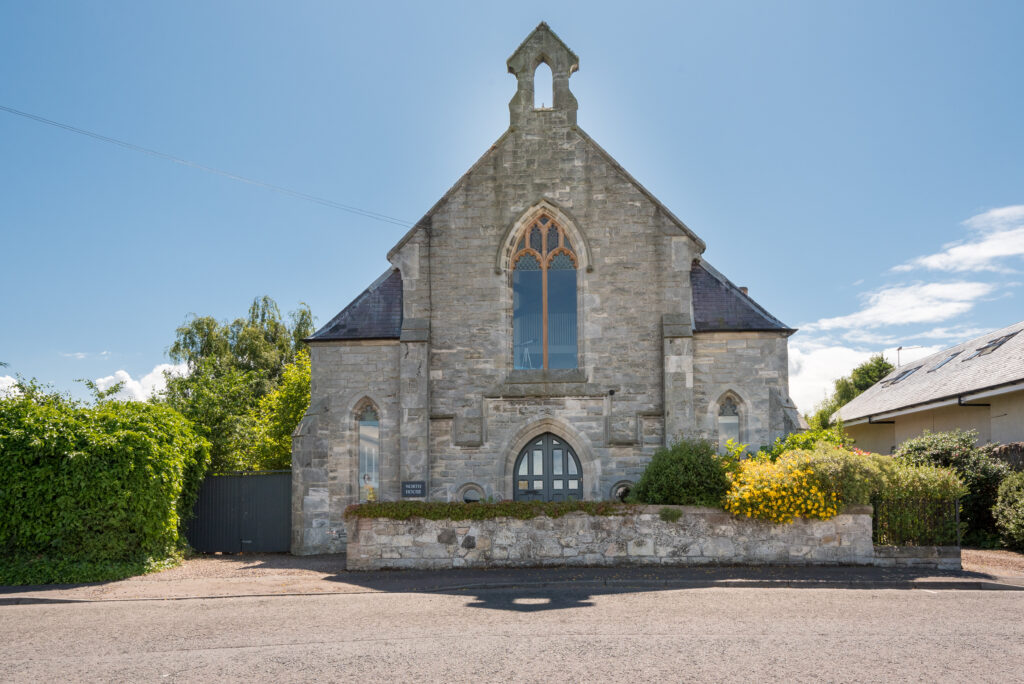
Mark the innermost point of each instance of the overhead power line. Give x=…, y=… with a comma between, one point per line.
x=226, y=174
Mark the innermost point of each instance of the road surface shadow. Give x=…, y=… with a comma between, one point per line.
x=558, y=588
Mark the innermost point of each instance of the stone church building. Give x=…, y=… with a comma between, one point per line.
x=543, y=329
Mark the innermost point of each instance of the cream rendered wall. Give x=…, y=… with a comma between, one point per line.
x=943, y=419
x=1008, y=418
x=876, y=438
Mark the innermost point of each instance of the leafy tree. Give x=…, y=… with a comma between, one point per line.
x=231, y=367
x=101, y=395
x=264, y=441
x=216, y=397
x=261, y=342
x=846, y=388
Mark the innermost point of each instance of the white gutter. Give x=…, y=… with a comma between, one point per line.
x=964, y=398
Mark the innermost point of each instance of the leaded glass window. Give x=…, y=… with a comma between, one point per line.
x=547, y=470
x=728, y=422
x=369, y=454
x=544, y=308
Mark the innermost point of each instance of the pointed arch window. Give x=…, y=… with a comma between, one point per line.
x=369, y=453
x=728, y=421
x=544, y=267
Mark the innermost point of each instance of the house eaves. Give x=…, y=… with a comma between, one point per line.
x=966, y=399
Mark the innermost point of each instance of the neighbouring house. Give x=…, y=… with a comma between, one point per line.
x=977, y=385
x=542, y=330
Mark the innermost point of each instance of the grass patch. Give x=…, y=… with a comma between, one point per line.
x=670, y=514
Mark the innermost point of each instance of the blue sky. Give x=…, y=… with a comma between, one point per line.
x=859, y=166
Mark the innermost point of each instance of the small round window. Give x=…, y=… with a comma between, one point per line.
x=620, y=490
x=472, y=494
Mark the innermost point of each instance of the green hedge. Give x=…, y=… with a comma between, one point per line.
x=980, y=471
x=84, y=489
x=521, y=510
x=918, y=506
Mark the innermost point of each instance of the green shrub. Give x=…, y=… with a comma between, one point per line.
x=89, y=485
x=909, y=482
x=1009, y=511
x=520, y=510
x=688, y=473
x=980, y=471
x=854, y=475
x=808, y=440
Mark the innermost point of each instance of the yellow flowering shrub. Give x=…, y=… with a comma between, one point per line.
x=781, y=491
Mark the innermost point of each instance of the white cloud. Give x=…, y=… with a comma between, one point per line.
x=85, y=355
x=861, y=336
x=955, y=334
x=1003, y=218
x=149, y=384
x=813, y=368
x=815, y=364
x=917, y=303
x=1001, y=236
x=7, y=385
x=910, y=354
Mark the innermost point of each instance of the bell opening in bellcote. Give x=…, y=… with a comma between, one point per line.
x=539, y=100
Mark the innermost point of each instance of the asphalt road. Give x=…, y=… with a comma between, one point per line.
x=529, y=634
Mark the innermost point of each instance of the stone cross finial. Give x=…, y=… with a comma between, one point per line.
x=543, y=46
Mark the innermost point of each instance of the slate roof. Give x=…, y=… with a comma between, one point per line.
x=376, y=314
x=720, y=306
x=931, y=383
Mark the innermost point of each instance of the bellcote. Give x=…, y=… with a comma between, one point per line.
x=543, y=47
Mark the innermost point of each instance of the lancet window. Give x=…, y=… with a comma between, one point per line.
x=728, y=421
x=544, y=267
x=369, y=453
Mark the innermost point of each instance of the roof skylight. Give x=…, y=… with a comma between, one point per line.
x=945, y=361
x=991, y=346
x=902, y=376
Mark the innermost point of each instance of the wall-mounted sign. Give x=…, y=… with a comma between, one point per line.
x=414, y=490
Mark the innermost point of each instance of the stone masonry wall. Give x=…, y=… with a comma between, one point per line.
x=700, y=536
x=751, y=365
x=477, y=402
x=325, y=444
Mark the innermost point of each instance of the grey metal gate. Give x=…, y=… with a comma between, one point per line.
x=243, y=512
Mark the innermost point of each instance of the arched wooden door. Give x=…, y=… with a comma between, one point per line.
x=548, y=470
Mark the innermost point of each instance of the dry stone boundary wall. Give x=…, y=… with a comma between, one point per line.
x=639, y=537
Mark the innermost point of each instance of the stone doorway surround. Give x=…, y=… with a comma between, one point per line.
x=580, y=445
